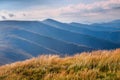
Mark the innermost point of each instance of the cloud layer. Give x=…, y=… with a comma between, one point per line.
x=104, y=10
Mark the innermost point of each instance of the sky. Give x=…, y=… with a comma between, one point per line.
x=84, y=11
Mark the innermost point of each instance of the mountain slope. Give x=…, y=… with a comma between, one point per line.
x=109, y=26
x=113, y=33
x=33, y=44
x=51, y=43
x=101, y=65
x=64, y=35
x=32, y=38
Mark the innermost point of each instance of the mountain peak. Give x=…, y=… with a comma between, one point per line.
x=49, y=20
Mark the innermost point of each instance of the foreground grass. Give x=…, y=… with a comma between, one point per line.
x=97, y=65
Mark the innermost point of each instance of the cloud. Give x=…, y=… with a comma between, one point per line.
x=97, y=6
x=24, y=14
x=98, y=11
x=3, y=17
x=11, y=15
x=27, y=4
x=103, y=10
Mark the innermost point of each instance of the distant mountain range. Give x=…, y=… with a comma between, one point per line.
x=20, y=40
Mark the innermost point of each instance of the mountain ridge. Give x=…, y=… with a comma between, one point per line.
x=34, y=38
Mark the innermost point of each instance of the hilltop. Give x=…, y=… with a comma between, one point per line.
x=95, y=65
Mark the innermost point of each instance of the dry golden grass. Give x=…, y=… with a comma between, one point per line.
x=96, y=65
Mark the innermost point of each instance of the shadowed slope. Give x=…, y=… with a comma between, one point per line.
x=112, y=35
x=64, y=35
x=59, y=46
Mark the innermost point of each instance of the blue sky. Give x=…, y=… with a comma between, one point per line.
x=86, y=11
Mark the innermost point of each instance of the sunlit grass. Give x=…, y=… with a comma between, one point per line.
x=96, y=65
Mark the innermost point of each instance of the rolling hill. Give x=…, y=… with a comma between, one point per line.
x=111, y=30
x=20, y=40
x=112, y=35
x=96, y=65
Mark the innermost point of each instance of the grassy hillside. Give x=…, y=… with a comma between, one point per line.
x=96, y=65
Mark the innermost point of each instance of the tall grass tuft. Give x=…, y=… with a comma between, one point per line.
x=95, y=65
